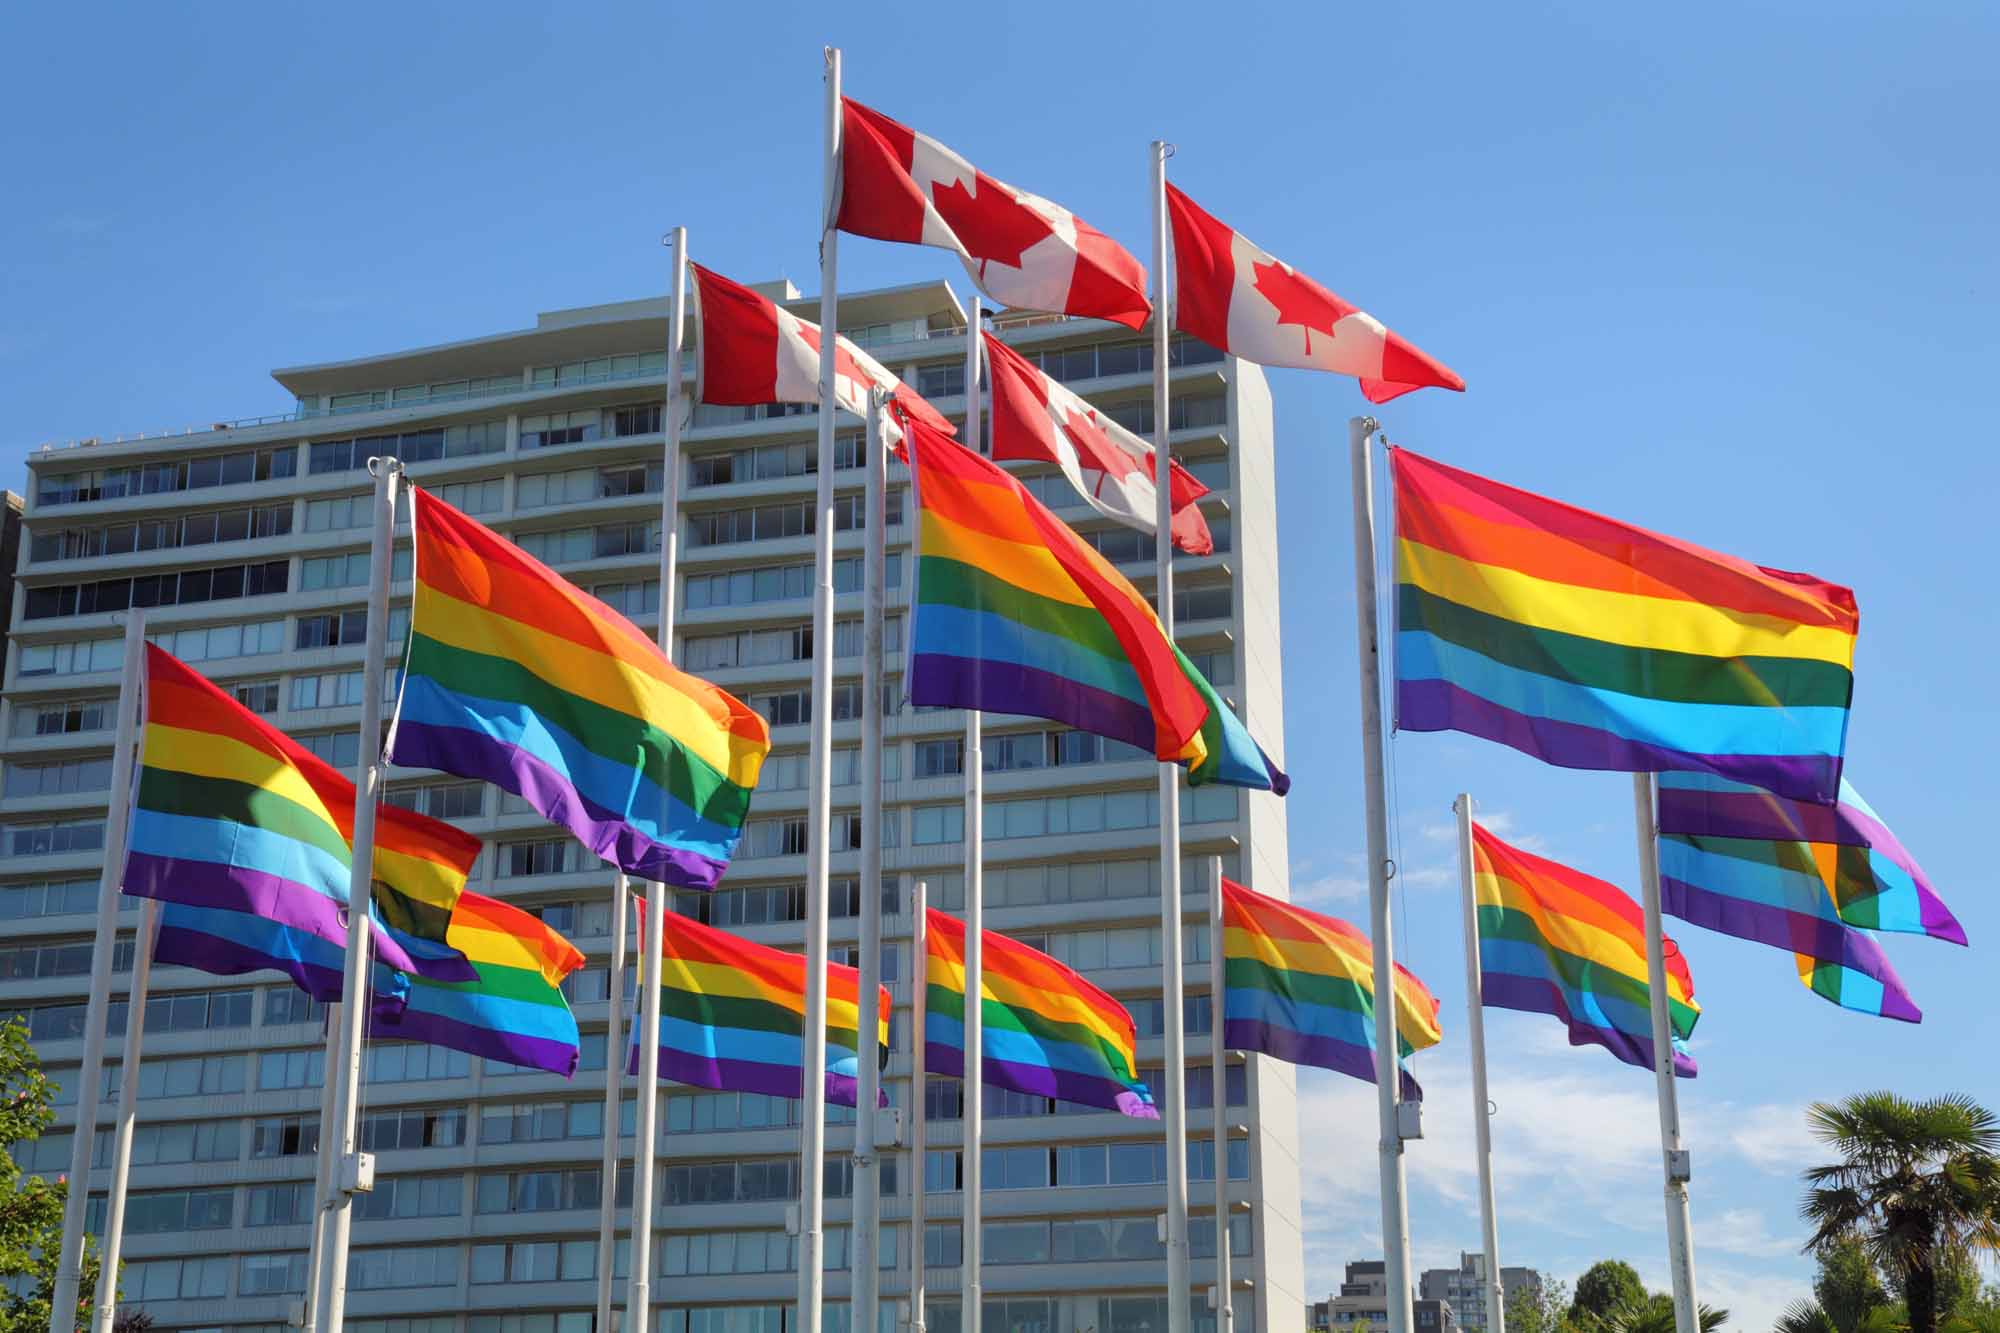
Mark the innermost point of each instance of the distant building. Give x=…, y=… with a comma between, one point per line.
x=1319, y=1315
x=1365, y=1296
x=1464, y=1288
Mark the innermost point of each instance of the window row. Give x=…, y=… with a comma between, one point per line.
x=1124, y=357
x=1049, y=816
x=48, y=897
x=763, y=904
x=603, y=542
x=64, y=717
x=790, y=770
x=1078, y=1240
x=54, y=837
x=578, y=485
x=181, y=588
x=766, y=647
x=160, y=534
x=779, y=583
x=444, y=391
x=1069, y=882
x=791, y=518
x=58, y=777
x=414, y=446
x=1024, y=751
x=771, y=461
x=1088, y=1165
x=189, y=474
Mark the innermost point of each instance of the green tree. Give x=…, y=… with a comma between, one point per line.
x=1847, y=1287
x=1543, y=1309
x=1918, y=1182
x=1607, y=1287
x=31, y=1209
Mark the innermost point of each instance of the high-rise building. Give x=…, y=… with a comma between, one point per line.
x=246, y=546
x=1465, y=1287
x=11, y=506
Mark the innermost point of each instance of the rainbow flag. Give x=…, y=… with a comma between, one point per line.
x=1047, y=1033
x=1589, y=643
x=515, y=1012
x=229, y=944
x=231, y=813
x=1852, y=989
x=1301, y=987
x=1017, y=614
x=516, y=677
x=732, y=1015
x=1874, y=881
x=1555, y=941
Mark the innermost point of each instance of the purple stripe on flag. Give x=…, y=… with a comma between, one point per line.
x=557, y=1057
x=942, y=680
x=1436, y=705
x=704, y=1071
x=1537, y=995
x=1756, y=815
x=471, y=754
x=239, y=889
x=220, y=957
x=1781, y=928
x=1065, y=1085
x=1343, y=1057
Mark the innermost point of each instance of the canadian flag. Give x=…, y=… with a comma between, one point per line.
x=1022, y=250
x=1234, y=296
x=1038, y=419
x=753, y=351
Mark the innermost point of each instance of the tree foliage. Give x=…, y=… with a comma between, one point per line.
x=1918, y=1183
x=1543, y=1309
x=1606, y=1288
x=31, y=1209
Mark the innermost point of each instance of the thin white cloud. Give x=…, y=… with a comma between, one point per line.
x=1576, y=1164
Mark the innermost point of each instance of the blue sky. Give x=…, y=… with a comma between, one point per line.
x=1730, y=279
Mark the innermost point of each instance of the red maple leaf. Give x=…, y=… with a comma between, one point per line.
x=1300, y=300
x=992, y=225
x=844, y=363
x=1095, y=449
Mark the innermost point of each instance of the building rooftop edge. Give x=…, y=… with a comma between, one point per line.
x=918, y=298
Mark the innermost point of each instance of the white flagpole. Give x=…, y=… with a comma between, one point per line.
x=614, y=1098
x=322, y=1175
x=1673, y=1158
x=920, y=952
x=128, y=1107
x=1172, y=982
x=865, y=1276
x=1218, y=1063
x=90, y=1078
x=1482, y=1108
x=353, y=1172
x=972, y=1247
x=646, y=1140
x=1395, y=1214
x=819, y=802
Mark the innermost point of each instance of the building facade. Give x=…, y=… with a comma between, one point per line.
x=1464, y=1287
x=1363, y=1298
x=246, y=546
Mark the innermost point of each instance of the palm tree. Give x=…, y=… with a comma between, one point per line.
x=1917, y=1182
x=1812, y=1317
x=1655, y=1314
